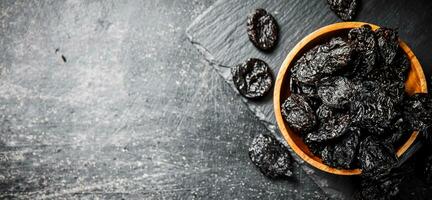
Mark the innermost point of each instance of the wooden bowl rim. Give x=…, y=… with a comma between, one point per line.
x=284, y=69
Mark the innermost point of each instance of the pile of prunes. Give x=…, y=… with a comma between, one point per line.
x=348, y=103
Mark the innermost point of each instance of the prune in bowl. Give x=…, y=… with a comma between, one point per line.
x=415, y=82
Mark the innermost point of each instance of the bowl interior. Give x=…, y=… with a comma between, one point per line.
x=415, y=83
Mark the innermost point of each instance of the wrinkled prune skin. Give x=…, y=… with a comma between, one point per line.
x=342, y=153
x=397, y=132
x=388, y=43
x=262, y=29
x=298, y=87
x=364, y=43
x=335, y=127
x=399, y=68
x=344, y=9
x=315, y=147
x=321, y=61
x=270, y=156
x=253, y=78
x=336, y=92
x=376, y=159
x=384, y=188
x=372, y=115
x=373, y=108
x=324, y=113
x=299, y=114
x=309, y=91
x=418, y=110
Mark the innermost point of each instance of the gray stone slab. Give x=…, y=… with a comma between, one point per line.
x=133, y=113
x=220, y=34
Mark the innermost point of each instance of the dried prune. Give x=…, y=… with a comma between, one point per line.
x=334, y=128
x=270, y=156
x=384, y=188
x=344, y=9
x=342, y=153
x=373, y=109
x=321, y=61
x=315, y=147
x=400, y=66
x=298, y=87
x=253, y=78
x=388, y=43
x=299, y=114
x=262, y=29
x=376, y=159
x=365, y=54
x=418, y=110
x=349, y=105
x=336, y=91
x=398, y=132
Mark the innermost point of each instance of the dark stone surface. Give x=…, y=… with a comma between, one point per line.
x=220, y=34
x=131, y=111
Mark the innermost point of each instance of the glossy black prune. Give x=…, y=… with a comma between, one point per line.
x=298, y=87
x=299, y=114
x=253, y=78
x=376, y=159
x=388, y=43
x=399, y=68
x=335, y=127
x=374, y=114
x=341, y=154
x=322, y=60
x=270, y=156
x=398, y=132
x=383, y=188
x=364, y=43
x=418, y=110
x=262, y=29
x=336, y=91
x=344, y=9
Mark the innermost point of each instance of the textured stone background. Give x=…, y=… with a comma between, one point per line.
x=134, y=112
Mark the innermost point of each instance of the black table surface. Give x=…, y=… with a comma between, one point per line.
x=109, y=99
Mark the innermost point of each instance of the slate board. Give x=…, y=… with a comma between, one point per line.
x=220, y=34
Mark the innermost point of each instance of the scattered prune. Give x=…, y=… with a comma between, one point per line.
x=364, y=43
x=262, y=29
x=253, y=78
x=376, y=159
x=388, y=43
x=270, y=156
x=321, y=61
x=344, y=9
x=336, y=91
x=343, y=152
x=298, y=113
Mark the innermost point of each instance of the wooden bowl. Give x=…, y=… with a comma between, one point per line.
x=416, y=83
